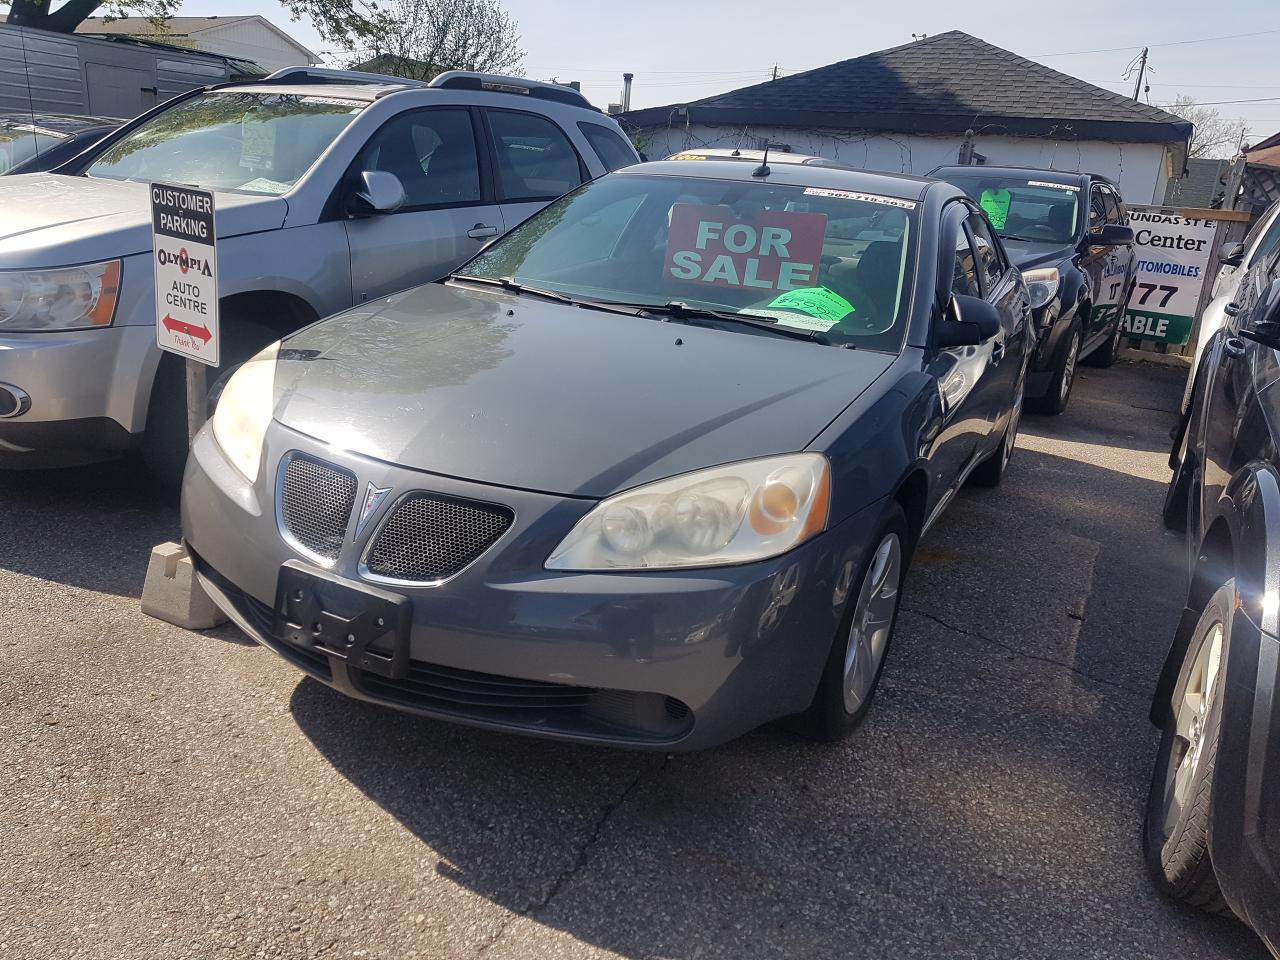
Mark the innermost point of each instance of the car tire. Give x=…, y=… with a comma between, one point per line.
x=857, y=657
x=165, y=442
x=990, y=472
x=1058, y=394
x=1109, y=352
x=1176, y=841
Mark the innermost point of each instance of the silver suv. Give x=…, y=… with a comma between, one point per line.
x=332, y=188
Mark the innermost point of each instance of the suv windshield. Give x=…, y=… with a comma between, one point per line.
x=250, y=142
x=827, y=261
x=1024, y=208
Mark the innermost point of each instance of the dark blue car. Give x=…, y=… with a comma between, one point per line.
x=649, y=470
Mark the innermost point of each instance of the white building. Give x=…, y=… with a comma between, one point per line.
x=932, y=102
x=245, y=38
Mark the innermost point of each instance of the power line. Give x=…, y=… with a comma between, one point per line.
x=1168, y=43
x=1219, y=103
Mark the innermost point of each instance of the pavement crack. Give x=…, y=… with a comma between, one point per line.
x=942, y=622
x=583, y=854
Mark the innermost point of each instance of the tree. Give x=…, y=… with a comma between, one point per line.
x=71, y=13
x=1214, y=136
x=419, y=38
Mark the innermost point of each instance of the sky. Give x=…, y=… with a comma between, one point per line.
x=681, y=50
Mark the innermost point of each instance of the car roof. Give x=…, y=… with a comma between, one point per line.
x=835, y=176
x=1049, y=176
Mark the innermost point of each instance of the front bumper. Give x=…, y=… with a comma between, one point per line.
x=664, y=659
x=1051, y=329
x=87, y=390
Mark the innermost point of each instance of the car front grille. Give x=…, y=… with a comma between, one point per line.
x=429, y=538
x=315, y=504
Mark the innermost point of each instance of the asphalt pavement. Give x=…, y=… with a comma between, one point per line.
x=174, y=794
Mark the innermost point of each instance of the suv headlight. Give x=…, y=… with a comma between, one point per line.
x=71, y=298
x=243, y=413
x=1042, y=285
x=726, y=515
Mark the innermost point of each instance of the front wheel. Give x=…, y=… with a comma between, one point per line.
x=1064, y=375
x=1176, y=831
x=1108, y=353
x=858, y=652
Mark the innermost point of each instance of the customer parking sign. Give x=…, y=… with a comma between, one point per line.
x=186, y=271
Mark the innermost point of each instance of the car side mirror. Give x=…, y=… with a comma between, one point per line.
x=379, y=192
x=969, y=321
x=1111, y=235
x=1232, y=255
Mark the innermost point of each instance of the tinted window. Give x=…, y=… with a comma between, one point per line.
x=1112, y=208
x=614, y=152
x=964, y=268
x=1270, y=240
x=1024, y=207
x=19, y=144
x=990, y=263
x=432, y=153
x=1122, y=213
x=1097, y=209
x=830, y=262
x=535, y=159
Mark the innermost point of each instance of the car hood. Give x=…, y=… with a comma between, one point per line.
x=49, y=220
x=520, y=392
x=1029, y=254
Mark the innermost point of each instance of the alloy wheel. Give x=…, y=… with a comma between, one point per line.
x=873, y=615
x=1069, y=368
x=1191, y=718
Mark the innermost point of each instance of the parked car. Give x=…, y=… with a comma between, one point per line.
x=1069, y=233
x=1210, y=835
x=1236, y=260
x=32, y=143
x=331, y=188
x=647, y=471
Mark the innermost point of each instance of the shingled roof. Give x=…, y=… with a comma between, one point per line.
x=947, y=83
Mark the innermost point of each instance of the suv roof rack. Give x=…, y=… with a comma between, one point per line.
x=330, y=75
x=498, y=83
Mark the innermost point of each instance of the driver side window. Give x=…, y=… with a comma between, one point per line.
x=964, y=269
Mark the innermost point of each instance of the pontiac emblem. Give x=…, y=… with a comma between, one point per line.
x=373, y=497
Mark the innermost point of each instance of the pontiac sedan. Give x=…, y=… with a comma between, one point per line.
x=647, y=471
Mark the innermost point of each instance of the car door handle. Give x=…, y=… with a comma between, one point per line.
x=482, y=230
x=1233, y=347
x=997, y=351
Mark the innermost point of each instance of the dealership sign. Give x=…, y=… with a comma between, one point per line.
x=1173, y=253
x=186, y=271
x=776, y=250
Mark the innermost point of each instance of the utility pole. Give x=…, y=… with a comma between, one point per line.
x=1142, y=68
x=775, y=71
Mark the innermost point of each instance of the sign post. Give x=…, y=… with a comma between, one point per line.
x=186, y=270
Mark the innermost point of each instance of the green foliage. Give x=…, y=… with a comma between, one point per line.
x=66, y=16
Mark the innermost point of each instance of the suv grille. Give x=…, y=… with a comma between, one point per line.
x=315, y=504
x=429, y=537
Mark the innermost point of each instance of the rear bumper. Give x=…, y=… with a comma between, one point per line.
x=660, y=660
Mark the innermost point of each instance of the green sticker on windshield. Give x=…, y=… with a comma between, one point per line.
x=818, y=302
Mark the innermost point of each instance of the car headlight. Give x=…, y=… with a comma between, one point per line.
x=725, y=515
x=243, y=413
x=1042, y=285
x=72, y=298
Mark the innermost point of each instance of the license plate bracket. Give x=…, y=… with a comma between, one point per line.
x=365, y=626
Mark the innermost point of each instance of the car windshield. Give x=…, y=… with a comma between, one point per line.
x=828, y=262
x=248, y=142
x=1024, y=208
x=20, y=142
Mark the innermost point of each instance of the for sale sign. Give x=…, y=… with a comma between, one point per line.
x=1173, y=253
x=775, y=250
x=186, y=269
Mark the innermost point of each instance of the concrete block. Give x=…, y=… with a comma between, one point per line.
x=173, y=594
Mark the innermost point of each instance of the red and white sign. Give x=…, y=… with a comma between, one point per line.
x=775, y=250
x=186, y=272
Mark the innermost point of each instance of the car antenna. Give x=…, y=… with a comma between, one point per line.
x=763, y=169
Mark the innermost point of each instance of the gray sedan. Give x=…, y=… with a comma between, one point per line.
x=648, y=471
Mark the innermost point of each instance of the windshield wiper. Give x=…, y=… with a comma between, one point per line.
x=683, y=311
x=515, y=286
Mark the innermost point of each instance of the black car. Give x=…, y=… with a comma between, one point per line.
x=1069, y=234
x=1212, y=832
x=34, y=143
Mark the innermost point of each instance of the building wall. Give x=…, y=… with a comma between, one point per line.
x=1141, y=169
x=250, y=40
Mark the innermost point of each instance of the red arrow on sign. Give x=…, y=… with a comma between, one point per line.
x=190, y=329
